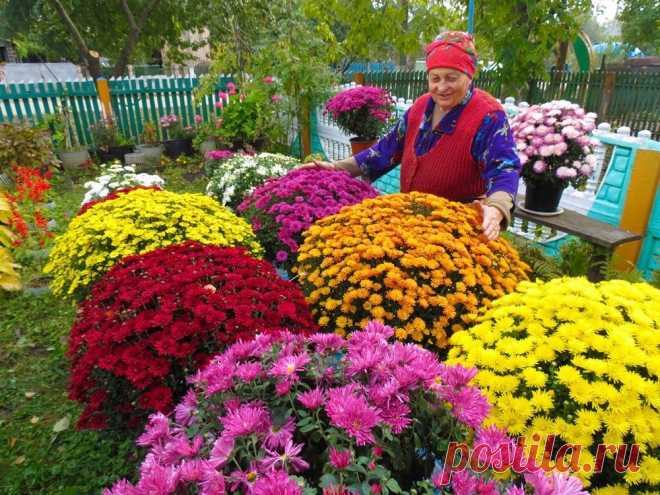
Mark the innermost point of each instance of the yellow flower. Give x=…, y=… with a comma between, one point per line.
x=587, y=372
x=137, y=222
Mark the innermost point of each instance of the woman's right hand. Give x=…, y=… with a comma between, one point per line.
x=319, y=164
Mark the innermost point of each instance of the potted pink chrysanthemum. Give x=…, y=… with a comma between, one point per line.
x=555, y=150
x=363, y=111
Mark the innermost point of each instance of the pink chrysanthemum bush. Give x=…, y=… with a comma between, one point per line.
x=287, y=414
x=281, y=209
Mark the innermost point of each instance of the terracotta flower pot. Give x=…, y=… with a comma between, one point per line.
x=360, y=144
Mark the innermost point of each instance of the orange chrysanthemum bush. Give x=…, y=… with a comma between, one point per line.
x=414, y=261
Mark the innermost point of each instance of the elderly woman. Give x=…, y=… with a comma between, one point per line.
x=454, y=141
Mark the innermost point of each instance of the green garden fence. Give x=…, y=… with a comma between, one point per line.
x=134, y=101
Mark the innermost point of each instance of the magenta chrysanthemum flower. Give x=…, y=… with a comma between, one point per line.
x=463, y=483
x=326, y=342
x=157, y=431
x=278, y=435
x=515, y=490
x=287, y=206
x=311, y=399
x=469, y=405
x=289, y=458
x=340, y=459
x=276, y=483
x=245, y=420
x=121, y=487
x=557, y=484
x=352, y=414
x=183, y=412
x=155, y=478
x=247, y=372
x=246, y=479
x=289, y=365
x=362, y=111
x=221, y=451
x=501, y=447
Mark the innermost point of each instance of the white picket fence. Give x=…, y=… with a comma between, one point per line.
x=336, y=145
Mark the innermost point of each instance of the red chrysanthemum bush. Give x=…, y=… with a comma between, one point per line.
x=114, y=195
x=155, y=318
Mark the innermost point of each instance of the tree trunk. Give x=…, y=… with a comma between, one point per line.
x=403, y=58
x=561, y=55
x=133, y=35
x=89, y=58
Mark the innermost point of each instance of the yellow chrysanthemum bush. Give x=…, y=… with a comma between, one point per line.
x=414, y=261
x=135, y=223
x=579, y=361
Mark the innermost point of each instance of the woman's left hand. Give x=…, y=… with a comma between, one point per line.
x=492, y=219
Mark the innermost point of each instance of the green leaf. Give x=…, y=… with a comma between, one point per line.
x=327, y=480
x=393, y=486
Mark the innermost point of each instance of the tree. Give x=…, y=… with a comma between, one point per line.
x=372, y=30
x=522, y=34
x=87, y=30
x=640, y=25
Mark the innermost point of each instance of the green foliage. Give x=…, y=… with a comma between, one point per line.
x=257, y=39
x=104, y=26
x=575, y=258
x=106, y=133
x=364, y=30
x=24, y=145
x=149, y=133
x=543, y=266
x=521, y=34
x=640, y=25
x=251, y=119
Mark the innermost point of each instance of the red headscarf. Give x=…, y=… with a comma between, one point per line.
x=454, y=50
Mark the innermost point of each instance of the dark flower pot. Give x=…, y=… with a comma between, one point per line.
x=360, y=144
x=543, y=196
x=177, y=147
x=114, y=153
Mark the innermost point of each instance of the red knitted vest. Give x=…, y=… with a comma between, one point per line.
x=447, y=169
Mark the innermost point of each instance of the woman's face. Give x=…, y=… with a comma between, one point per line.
x=448, y=87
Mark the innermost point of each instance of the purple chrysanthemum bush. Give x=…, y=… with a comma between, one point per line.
x=281, y=209
x=286, y=415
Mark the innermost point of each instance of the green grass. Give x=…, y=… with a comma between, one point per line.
x=34, y=458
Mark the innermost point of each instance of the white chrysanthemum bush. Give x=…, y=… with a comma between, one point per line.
x=235, y=177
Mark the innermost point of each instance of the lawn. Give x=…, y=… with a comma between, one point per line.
x=41, y=450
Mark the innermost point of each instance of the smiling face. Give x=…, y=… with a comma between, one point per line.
x=448, y=86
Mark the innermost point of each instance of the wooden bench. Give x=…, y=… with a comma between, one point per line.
x=603, y=235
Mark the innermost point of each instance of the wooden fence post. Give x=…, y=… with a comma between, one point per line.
x=608, y=90
x=104, y=95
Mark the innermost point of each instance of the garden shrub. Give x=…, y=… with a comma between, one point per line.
x=577, y=360
x=24, y=146
x=155, y=318
x=135, y=223
x=284, y=414
x=237, y=176
x=414, y=261
x=281, y=209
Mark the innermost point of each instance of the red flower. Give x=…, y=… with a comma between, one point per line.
x=156, y=318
